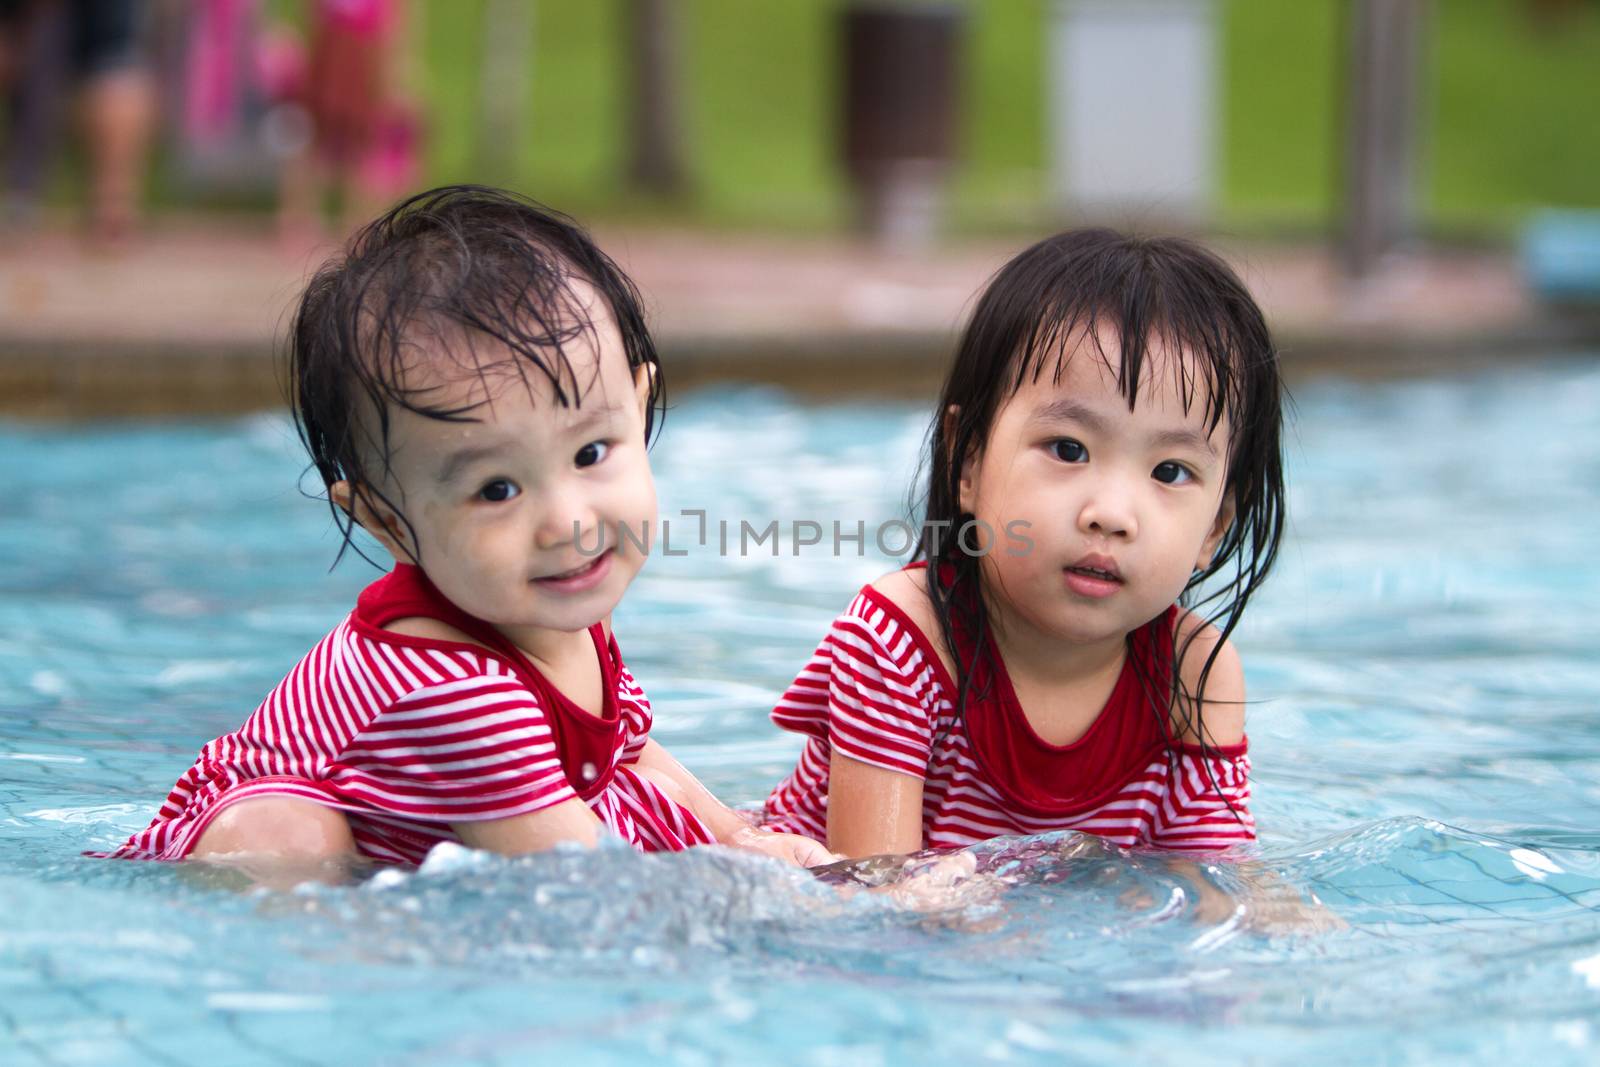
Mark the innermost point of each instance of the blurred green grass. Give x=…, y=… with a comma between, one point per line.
x=1511, y=112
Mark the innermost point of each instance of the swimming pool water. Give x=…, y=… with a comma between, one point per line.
x=1425, y=740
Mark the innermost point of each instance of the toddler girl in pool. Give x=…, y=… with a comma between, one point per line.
x=476, y=386
x=1104, y=467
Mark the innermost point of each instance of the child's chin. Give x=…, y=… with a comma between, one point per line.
x=1090, y=627
x=575, y=612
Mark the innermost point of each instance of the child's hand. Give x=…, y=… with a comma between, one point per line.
x=791, y=848
x=929, y=882
x=1283, y=911
x=1263, y=903
x=948, y=881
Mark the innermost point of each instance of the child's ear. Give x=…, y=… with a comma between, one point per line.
x=967, y=489
x=644, y=376
x=1208, y=549
x=376, y=518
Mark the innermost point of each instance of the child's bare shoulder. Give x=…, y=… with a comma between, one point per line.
x=1195, y=640
x=908, y=591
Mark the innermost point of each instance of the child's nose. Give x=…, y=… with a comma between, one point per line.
x=567, y=518
x=1109, y=513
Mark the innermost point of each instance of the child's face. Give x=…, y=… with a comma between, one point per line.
x=508, y=510
x=1122, y=505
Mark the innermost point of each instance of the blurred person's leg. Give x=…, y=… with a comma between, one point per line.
x=10, y=16
x=389, y=162
x=345, y=93
x=287, y=131
x=37, y=36
x=299, y=188
x=118, y=110
x=389, y=167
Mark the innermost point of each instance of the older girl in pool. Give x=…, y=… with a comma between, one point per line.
x=1105, y=494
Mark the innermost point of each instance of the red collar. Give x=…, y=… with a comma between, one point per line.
x=1043, y=780
x=585, y=743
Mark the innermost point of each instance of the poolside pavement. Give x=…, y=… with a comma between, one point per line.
x=188, y=318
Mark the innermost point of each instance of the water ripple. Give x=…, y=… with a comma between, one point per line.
x=1423, y=727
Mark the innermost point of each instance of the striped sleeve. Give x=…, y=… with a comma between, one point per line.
x=463, y=750
x=875, y=714
x=1207, y=803
x=637, y=717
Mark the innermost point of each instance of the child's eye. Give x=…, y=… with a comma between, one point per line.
x=498, y=491
x=1170, y=473
x=591, y=453
x=1069, y=451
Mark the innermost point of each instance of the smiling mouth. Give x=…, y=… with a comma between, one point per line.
x=576, y=572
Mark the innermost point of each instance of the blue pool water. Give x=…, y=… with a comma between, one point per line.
x=1425, y=738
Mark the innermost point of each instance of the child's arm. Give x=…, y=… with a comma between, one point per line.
x=725, y=824
x=1259, y=899
x=570, y=820
x=1263, y=902
x=872, y=811
x=1223, y=718
x=281, y=842
x=1209, y=804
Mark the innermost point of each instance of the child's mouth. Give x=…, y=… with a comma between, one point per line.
x=580, y=578
x=1096, y=582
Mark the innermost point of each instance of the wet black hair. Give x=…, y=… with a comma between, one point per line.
x=1039, y=310
x=458, y=265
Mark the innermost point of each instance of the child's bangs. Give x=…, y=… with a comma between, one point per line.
x=501, y=316
x=1139, y=331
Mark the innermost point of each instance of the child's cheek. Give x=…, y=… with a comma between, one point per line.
x=478, y=542
x=632, y=497
x=1014, y=499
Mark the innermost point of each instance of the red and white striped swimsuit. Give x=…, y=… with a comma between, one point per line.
x=407, y=735
x=876, y=691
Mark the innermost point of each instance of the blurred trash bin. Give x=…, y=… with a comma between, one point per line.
x=901, y=83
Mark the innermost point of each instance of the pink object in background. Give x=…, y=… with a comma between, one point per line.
x=392, y=161
x=281, y=64
x=218, y=35
x=370, y=18
x=229, y=62
x=346, y=88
